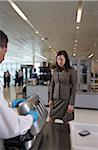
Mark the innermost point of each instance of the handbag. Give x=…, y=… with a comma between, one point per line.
x=69, y=116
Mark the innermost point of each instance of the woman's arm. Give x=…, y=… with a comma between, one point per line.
x=51, y=90
x=73, y=86
x=73, y=90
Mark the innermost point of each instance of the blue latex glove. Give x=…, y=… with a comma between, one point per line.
x=34, y=114
x=16, y=102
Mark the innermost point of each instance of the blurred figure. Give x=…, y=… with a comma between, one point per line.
x=8, y=78
x=4, y=79
x=20, y=78
x=16, y=78
x=34, y=75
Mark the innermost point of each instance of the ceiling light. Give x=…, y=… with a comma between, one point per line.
x=76, y=41
x=79, y=12
x=49, y=46
x=79, y=15
x=30, y=24
x=17, y=9
x=37, y=32
x=74, y=54
x=42, y=38
x=77, y=27
x=91, y=55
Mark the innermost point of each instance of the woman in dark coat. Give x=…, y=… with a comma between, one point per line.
x=63, y=87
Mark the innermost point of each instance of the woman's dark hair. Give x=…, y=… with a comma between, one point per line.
x=67, y=63
x=3, y=39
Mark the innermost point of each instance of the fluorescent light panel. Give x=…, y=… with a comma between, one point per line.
x=17, y=9
x=79, y=12
x=79, y=15
x=91, y=55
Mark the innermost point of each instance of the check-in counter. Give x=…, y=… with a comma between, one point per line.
x=83, y=99
x=86, y=100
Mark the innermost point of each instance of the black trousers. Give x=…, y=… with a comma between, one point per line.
x=18, y=141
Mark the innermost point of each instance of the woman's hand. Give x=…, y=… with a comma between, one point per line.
x=70, y=108
x=50, y=103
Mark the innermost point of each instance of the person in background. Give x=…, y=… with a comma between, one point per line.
x=8, y=78
x=4, y=79
x=34, y=75
x=63, y=87
x=22, y=82
x=16, y=78
x=11, y=123
x=20, y=78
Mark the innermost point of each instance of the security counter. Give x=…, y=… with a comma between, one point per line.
x=53, y=136
x=87, y=100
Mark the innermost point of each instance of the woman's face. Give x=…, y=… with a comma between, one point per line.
x=61, y=60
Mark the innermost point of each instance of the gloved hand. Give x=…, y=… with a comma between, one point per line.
x=34, y=114
x=16, y=102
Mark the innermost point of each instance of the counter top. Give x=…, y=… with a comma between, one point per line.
x=37, y=85
x=78, y=92
x=87, y=93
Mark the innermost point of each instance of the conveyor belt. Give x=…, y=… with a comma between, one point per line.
x=55, y=137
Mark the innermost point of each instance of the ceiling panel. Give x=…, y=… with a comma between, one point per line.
x=56, y=21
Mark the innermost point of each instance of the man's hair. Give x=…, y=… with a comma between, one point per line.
x=3, y=39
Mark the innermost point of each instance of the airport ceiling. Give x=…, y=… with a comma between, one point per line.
x=55, y=21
